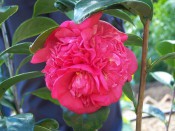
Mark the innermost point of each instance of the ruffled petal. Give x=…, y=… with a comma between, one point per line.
x=41, y=56
x=108, y=98
x=91, y=21
x=132, y=61
x=62, y=92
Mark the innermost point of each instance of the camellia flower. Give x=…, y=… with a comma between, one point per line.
x=87, y=64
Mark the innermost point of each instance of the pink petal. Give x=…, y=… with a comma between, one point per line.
x=108, y=98
x=109, y=30
x=40, y=56
x=87, y=34
x=91, y=21
x=62, y=93
x=103, y=82
x=64, y=32
x=132, y=61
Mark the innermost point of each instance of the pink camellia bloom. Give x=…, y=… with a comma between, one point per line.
x=87, y=64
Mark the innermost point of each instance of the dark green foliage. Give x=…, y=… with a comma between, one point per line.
x=86, y=122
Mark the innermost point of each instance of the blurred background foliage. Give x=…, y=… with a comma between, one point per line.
x=161, y=28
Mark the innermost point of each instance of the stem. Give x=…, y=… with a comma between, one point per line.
x=143, y=76
x=170, y=114
x=1, y=112
x=10, y=66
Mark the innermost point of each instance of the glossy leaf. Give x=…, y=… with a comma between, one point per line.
x=156, y=112
x=127, y=89
x=3, y=126
x=134, y=40
x=1, y=61
x=165, y=47
x=66, y=5
x=21, y=48
x=23, y=62
x=40, y=128
x=22, y=122
x=6, y=12
x=85, y=8
x=169, y=56
x=7, y=103
x=6, y=84
x=32, y=27
x=45, y=94
x=49, y=124
x=40, y=40
x=120, y=14
x=86, y=122
x=164, y=78
x=70, y=14
x=23, y=97
x=44, y=6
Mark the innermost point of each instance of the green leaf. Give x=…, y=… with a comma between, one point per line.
x=154, y=111
x=10, y=104
x=32, y=27
x=66, y=5
x=70, y=14
x=6, y=84
x=40, y=128
x=45, y=94
x=22, y=122
x=85, y=8
x=165, y=47
x=40, y=40
x=134, y=40
x=3, y=126
x=43, y=7
x=86, y=122
x=140, y=7
x=127, y=89
x=162, y=58
x=6, y=12
x=21, y=48
x=23, y=97
x=49, y=124
x=164, y=78
x=120, y=14
x=1, y=61
x=23, y=62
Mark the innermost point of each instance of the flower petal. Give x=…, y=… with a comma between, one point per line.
x=91, y=21
x=62, y=92
x=132, y=61
x=40, y=56
x=108, y=98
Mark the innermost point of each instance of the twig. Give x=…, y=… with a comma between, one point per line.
x=10, y=66
x=143, y=76
x=149, y=116
x=171, y=111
